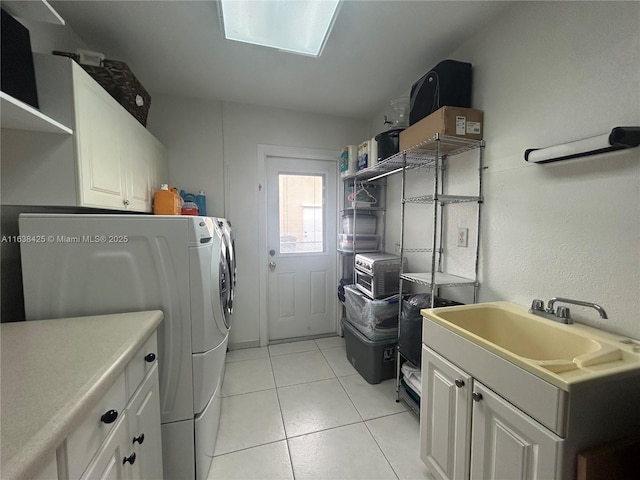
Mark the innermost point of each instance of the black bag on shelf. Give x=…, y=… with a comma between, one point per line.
x=410, y=340
x=448, y=83
x=341, y=285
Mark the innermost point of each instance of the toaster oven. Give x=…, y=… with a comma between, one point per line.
x=377, y=274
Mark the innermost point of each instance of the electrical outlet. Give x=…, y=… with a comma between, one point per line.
x=463, y=237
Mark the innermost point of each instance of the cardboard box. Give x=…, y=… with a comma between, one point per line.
x=454, y=121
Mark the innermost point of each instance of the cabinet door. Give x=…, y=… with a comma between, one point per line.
x=143, y=414
x=101, y=173
x=160, y=162
x=109, y=461
x=138, y=159
x=445, y=417
x=509, y=444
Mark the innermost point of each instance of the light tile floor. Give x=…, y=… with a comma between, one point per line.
x=300, y=411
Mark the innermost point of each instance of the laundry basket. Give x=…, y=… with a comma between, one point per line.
x=119, y=81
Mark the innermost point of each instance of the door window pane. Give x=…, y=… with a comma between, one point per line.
x=301, y=213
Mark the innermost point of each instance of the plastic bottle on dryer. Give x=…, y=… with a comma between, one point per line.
x=166, y=201
x=201, y=201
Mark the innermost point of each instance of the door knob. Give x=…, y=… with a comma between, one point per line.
x=272, y=265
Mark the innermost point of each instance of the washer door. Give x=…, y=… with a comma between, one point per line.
x=209, y=295
x=227, y=253
x=224, y=291
x=232, y=263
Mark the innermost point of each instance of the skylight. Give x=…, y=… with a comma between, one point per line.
x=296, y=26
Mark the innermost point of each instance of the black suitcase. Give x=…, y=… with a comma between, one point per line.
x=448, y=83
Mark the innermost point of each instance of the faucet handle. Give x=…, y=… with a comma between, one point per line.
x=537, y=305
x=564, y=313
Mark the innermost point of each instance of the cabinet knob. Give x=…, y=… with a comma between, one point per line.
x=149, y=357
x=109, y=416
x=130, y=459
x=126, y=202
x=459, y=383
x=476, y=396
x=139, y=439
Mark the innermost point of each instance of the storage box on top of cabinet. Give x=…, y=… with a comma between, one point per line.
x=110, y=162
x=453, y=121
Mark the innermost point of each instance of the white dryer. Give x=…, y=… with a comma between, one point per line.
x=95, y=264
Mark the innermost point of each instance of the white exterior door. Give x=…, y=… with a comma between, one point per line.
x=301, y=247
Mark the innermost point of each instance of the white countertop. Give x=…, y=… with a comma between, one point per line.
x=53, y=372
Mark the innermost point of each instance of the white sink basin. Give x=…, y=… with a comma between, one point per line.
x=537, y=344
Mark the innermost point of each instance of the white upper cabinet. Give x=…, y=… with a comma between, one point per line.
x=111, y=161
x=99, y=144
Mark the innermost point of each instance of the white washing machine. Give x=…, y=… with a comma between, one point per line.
x=96, y=264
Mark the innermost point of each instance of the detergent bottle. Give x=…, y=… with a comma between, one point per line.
x=166, y=201
x=200, y=200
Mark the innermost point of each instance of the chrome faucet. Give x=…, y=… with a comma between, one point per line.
x=597, y=307
x=562, y=314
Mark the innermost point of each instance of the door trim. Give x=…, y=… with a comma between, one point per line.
x=265, y=151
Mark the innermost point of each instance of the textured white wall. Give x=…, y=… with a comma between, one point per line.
x=548, y=73
x=245, y=127
x=192, y=132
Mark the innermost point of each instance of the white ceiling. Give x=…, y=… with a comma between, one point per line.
x=376, y=51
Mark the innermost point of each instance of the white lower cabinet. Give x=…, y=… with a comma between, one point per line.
x=468, y=431
x=507, y=444
x=118, y=441
x=445, y=417
x=109, y=461
x=143, y=422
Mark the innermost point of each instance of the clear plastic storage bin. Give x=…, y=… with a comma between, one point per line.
x=368, y=243
x=376, y=319
x=364, y=225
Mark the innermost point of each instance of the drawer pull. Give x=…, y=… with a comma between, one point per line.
x=149, y=357
x=131, y=459
x=109, y=416
x=139, y=439
x=476, y=396
x=459, y=383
